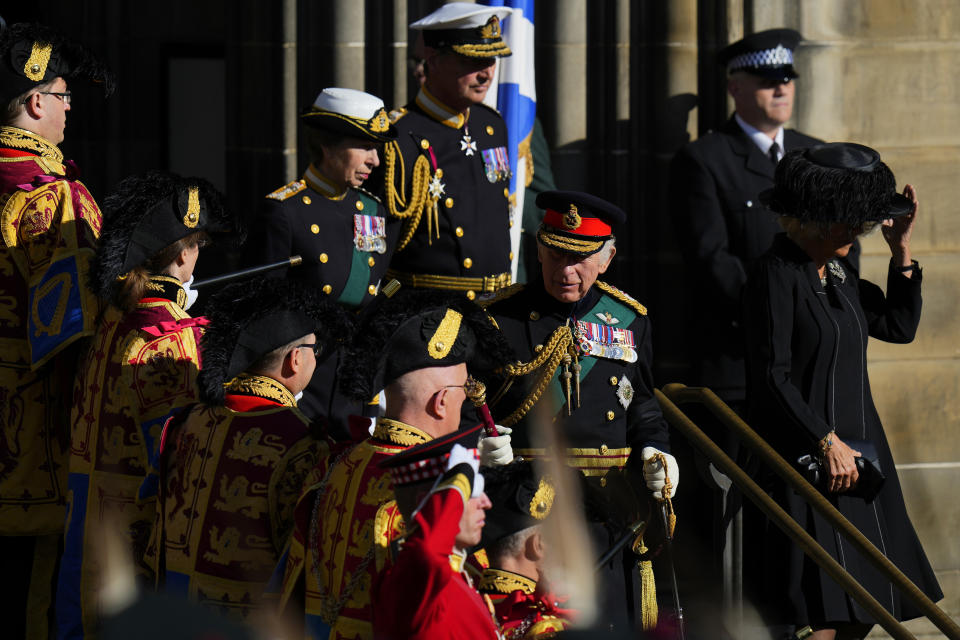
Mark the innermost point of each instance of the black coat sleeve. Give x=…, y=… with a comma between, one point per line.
x=646, y=425
x=269, y=238
x=894, y=317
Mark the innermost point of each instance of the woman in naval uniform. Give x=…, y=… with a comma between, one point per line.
x=342, y=232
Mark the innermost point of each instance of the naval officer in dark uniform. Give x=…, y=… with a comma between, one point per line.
x=715, y=182
x=342, y=232
x=448, y=174
x=585, y=361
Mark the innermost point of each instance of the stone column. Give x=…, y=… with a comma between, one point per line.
x=347, y=43
x=290, y=103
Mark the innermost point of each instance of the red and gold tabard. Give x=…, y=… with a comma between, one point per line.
x=523, y=611
x=232, y=480
x=50, y=224
x=346, y=522
x=141, y=367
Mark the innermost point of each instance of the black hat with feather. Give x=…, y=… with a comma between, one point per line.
x=248, y=320
x=33, y=54
x=145, y=214
x=416, y=329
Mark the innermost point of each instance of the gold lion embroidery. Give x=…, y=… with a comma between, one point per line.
x=225, y=548
x=247, y=447
x=235, y=497
x=116, y=448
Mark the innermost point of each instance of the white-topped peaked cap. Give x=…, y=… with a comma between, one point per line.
x=351, y=113
x=469, y=29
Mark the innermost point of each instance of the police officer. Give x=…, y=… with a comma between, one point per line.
x=584, y=353
x=447, y=176
x=715, y=182
x=341, y=231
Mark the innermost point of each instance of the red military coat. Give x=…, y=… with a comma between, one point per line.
x=523, y=610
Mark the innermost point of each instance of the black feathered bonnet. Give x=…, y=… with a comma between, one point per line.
x=417, y=329
x=840, y=182
x=248, y=320
x=147, y=213
x=34, y=54
x=521, y=498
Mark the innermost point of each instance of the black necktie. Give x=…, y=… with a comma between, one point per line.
x=774, y=153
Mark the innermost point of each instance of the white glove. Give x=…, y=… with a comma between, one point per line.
x=496, y=451
x=460, y=454
x=655, y=475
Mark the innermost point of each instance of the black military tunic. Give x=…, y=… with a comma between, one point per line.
x=346, y=243
x=461, y=164
x=722, y=228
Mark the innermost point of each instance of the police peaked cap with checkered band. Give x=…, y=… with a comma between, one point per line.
x=471, y=30
x=350, y=113
x=521, y=498
x=577, y=222
x=840, y=182
x=417, y=329
x=33, y=54
x=765, y=53
x=250, y=319
x=428, y=461
x=148, y=212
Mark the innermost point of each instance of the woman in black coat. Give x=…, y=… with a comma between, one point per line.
x=807, y=317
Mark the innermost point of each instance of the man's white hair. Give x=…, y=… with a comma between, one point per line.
x=606, y=249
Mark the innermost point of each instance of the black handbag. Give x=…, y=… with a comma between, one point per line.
x=868, y=466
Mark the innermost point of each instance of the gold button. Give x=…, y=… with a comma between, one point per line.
x=327, y=289
x=534, y=315
x=372, y=290
x=459, y=232
x=511, y=224
x=448, y=203
x=510, y=255
x=324, y=258
x=438, y=345
x=610, y=415
x=359, y=206
x=424, y=144
x=35, y=68
x=471, y=295
x=613, y=381
x=489, y=130
x=371, y=261
x=467, y=263
x=315, y=228
x=506, y=192
x=306, y=200
x=604, y=448
x=603, y=482
x=538, y=348
x=439, y=173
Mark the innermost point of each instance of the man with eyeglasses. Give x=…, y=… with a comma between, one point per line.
x=417, y=347
x=231, y=468
x=50, y=224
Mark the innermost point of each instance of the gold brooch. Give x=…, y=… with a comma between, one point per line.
x=491, y=30
x=192, y=216
x=572, y=219
x=542, y=500
x=379, y=122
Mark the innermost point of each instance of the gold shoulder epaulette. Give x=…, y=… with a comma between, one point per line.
x=368, y=194
x=288, y=190
x=396, y=114
x=502, y=294
x=622, y=297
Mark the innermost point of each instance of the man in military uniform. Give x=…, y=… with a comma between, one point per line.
x=522, y=502
x=427, y=593
x=341, y=231
x=415, y=346
x=715, y=184
x=447, y=176
x=232, y=467
x=584, y=353
x=49, y=224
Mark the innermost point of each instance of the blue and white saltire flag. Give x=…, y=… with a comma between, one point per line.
x=515, y=97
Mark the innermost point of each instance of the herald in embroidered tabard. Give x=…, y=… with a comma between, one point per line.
x=606, y=342
x=496, y=164
x=370, y=233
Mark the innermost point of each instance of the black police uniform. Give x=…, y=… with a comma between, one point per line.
x=346, y=244
x=466, y=247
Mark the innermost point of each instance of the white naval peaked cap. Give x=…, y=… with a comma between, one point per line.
x=460, y=15
x=348, y=102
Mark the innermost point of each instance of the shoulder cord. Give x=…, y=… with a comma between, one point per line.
x=553, y=353
x=418, y=191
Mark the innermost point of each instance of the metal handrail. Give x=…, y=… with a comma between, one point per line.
x=682, y=394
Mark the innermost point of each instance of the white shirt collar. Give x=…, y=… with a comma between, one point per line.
x=759, y=138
